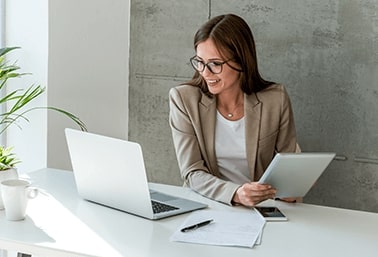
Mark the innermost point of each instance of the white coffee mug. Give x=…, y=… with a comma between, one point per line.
x=6, y=175
x=15, y=194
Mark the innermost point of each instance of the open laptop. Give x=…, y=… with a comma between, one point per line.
x=293, y=174
x=111, y=172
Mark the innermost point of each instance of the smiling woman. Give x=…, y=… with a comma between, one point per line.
x=228, y=122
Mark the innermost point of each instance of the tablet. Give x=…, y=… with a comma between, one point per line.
x=293, y=174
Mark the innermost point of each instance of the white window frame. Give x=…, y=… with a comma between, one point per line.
x=2, y=23
x=2, y=44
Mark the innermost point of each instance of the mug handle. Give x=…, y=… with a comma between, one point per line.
x=32, y=192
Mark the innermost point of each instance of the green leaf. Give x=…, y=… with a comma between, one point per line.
x=7, y=158
x=5, y=50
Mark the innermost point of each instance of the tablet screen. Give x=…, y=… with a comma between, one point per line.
x=293, y=174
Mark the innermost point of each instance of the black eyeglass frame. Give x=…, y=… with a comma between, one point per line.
x=207, y=65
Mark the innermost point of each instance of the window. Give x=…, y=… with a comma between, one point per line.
x=2, y=44
x=2, y=23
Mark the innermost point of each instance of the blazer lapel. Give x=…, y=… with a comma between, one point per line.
x=207, y=108
x=252, y=110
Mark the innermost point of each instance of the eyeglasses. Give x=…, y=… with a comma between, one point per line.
x=214, y=66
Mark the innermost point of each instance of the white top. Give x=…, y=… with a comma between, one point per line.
x=230, y=149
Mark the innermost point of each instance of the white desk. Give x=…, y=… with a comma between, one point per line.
x=59, y=223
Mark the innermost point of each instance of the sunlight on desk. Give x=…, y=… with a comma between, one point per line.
x=49, y=223
x=55, y=222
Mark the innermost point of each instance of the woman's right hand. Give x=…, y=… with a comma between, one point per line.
x=250, y=194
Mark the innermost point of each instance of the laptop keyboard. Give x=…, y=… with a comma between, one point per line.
x=158, y=207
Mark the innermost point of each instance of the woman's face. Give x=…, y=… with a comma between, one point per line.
x=227, y=80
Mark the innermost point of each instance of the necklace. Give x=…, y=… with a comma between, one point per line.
x=231, y=114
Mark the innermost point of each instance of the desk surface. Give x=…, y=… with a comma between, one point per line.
x=59, y=223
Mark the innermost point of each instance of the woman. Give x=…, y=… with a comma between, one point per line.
x=228, y=122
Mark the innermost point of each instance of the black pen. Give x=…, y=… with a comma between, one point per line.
x=195, y=226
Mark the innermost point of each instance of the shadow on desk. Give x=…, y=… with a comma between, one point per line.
x=34, y=233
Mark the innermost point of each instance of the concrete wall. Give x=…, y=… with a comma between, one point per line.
x=325, y=52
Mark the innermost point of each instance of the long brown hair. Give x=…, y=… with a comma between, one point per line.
x=234, y=39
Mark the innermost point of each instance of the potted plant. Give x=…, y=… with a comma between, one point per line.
x=14, y=106
x=8, y=161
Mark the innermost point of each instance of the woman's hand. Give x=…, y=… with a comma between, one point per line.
x=250, y=194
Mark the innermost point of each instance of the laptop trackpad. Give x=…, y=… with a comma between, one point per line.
x=161, y=197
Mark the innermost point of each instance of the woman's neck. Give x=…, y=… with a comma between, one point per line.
x=229, y=100
x=231, y=106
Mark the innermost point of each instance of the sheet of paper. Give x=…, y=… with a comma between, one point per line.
x=229, y=228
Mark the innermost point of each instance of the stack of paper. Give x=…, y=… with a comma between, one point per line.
x=227, y=228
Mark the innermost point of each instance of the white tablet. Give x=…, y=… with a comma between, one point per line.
x=293, y=174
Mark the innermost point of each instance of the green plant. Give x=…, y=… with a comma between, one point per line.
x=7, y=158
x=14, y=104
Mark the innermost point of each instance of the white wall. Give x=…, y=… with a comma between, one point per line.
x=80, y=50
x=88, y=69
x=26, y=26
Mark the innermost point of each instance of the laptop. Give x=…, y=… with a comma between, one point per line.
x=293, y=174
x=111, y=172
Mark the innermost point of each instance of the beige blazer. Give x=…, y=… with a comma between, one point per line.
x=269, y=125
